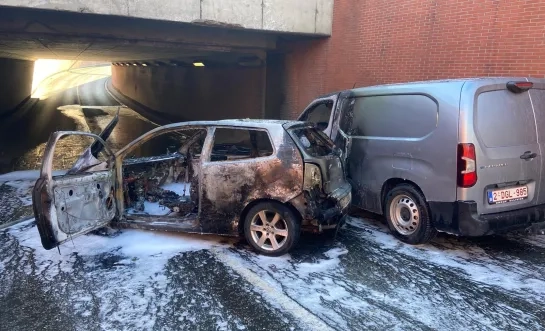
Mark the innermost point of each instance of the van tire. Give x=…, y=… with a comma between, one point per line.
x=289, y=222
x=413, y=209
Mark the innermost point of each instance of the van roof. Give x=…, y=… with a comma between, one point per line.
x=481, y=80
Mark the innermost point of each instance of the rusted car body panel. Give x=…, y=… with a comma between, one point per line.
x=228, y=187
x=222, y=191
x=56, y=200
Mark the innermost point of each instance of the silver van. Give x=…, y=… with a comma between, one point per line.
x=461, y=156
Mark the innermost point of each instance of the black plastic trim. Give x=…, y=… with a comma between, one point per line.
x=461, y=218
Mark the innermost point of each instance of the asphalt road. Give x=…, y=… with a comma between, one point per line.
x=134, y=280
x=365, y=279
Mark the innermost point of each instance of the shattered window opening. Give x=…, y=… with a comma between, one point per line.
x=240, y=144
x=160, y=177
x=165, y=143
x=69, y=149
x=314, y=142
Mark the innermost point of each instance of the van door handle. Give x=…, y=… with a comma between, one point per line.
x=528, y=155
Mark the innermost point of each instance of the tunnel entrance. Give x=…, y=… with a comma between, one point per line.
x=211, y=87
x=158, y=72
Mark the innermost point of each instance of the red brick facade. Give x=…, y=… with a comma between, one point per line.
x=375, y=42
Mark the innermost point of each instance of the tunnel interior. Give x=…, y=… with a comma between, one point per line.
x=163, y=71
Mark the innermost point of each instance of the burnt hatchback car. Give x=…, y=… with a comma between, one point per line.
x=266, y=180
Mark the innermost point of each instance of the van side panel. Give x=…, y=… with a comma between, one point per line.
x=403, y=132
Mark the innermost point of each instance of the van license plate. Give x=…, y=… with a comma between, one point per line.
x=507, y=195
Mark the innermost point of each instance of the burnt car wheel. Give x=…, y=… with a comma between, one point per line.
x=408, y=216
x=271, y=228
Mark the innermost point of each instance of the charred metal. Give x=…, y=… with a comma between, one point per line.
x=199, y=177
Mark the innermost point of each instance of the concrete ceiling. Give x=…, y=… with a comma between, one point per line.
x=32, y=34
x=55, y=47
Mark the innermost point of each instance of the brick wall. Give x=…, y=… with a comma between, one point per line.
x=375, y=42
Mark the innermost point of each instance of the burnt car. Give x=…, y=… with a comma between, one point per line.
x=267, y=180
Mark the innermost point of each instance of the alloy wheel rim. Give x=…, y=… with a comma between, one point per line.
x=269, y=230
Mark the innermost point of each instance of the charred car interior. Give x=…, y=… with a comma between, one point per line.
x=266, y=180
x=160, y=175
x=166, y=184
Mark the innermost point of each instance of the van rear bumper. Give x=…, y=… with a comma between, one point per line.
x=461, y=218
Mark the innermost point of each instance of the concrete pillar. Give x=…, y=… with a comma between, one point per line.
x=15, y=83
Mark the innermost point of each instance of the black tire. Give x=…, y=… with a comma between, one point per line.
x=413, y=209
x=289, y=221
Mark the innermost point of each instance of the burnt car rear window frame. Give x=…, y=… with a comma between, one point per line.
x=302, y=149
x=208, y=158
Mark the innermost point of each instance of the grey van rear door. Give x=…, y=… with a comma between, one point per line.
x=537, y=96
x=502, y=126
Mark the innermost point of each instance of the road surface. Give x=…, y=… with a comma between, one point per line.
x=138, y=280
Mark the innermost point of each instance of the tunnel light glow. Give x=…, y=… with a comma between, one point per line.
x=144, y=65
x=53, y=76
x=198, y=64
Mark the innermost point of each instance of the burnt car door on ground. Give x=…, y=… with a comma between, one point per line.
x=161, y=176
x=69, y=205
x=228, y=177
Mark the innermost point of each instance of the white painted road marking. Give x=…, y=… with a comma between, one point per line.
x=307, y=319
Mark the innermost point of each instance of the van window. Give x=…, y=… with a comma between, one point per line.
x=505, y=119
x=320, y=114
x=394, y=116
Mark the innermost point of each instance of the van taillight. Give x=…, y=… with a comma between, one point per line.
x=467, y=165
x=519, y=87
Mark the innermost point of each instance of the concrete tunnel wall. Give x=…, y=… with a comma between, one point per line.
x=195, y=93
x=15, y=83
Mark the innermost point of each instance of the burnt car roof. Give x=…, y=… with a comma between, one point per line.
x=253, y=123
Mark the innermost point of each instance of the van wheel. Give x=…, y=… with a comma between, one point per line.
x=271, y=228
x=408, y=216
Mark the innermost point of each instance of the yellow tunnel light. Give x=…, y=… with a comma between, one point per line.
x=198, y=64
